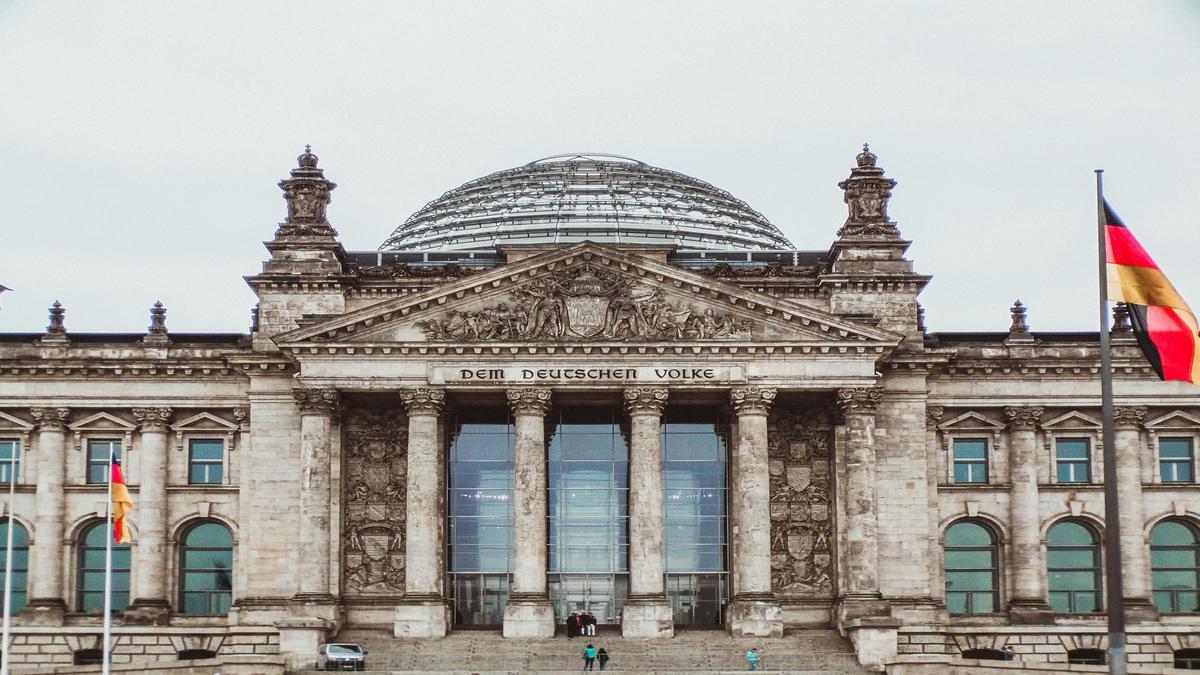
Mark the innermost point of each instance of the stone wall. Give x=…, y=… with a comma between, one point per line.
x=57, y=645
x=1048, y=644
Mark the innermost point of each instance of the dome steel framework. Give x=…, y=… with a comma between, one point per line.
x=596, y=197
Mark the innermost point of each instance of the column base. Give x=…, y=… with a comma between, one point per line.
x=1141, y=610
x=42, y=612
x=300, y=641
x=647, y=617
x=319, y=606
x=530, y=616
x=1030, y=612
x=148, y=612
x=754, y=616
x=874, y=640
x=422, y=616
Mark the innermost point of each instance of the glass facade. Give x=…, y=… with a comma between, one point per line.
x=1073, y=564
x=694, y=452
x=479, y=533
x=206, y=570
x=20, y=562
x=971, y=569
x=1175, y=567
x=90, y=595
x=588, y=515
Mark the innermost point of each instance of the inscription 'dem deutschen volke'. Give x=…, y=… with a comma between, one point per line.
x=594, y=374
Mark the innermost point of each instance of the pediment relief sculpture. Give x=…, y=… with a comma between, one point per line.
x=587, y=302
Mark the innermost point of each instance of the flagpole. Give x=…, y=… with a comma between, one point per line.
x=1114, y=588
x=108, y=539
x=12, y=481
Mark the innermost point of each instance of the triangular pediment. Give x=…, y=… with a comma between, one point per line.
x=102, y=421
x=205, y=422
x=1176, y=419
x=1072, y=420
x=9, y=422
x=589, y=294
x=971, y=421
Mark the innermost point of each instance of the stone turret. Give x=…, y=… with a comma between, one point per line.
x=305, y=273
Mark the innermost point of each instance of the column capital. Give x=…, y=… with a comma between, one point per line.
x=529, y=401
x=751, y=400
x=1023, y=417
x=314, y=401
x=153, y=419
x=1129, y=416
x=858, y=399
x=933, y=415
x=423, y=400
x=646, y=400
x=54, y=419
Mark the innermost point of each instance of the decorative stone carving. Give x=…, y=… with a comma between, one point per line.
x=751, y=400
x=724, y=270
x=57, y=326
x=1020, y=322
x=153, y=419
x=646, y=400
x=933, y=415
x=1120, y=317
x=799, y=448
x=867, y=195
x=529, y=401
x=317, y=401
x=375, y=469
x=1129, y=416
x=406, y=271
x=307, y=195
x=587, y=302
x=858, y=399
x=423, y=401
x=1023, y=417
x=50, y=418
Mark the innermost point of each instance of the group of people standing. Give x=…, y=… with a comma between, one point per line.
x=581, y=623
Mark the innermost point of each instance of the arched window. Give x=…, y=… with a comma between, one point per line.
x=20, y=562
x=971, y=569
x=1175, y=566
x=1086, y=657
x=206, y=569
x=1073, y=566
x=90, y=594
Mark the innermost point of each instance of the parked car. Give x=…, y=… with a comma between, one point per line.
x=342, y=656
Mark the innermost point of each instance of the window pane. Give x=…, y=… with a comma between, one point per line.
x=205, y=449
x=1173, y=558
x=968, y=534
x=969, y=581
x=970, y=448
x=1172, y=533
x=968, y=560
x=1071, y=558
x=1070, y=534
x=1071, y=448
x=1073, y=581
x=1177, y=448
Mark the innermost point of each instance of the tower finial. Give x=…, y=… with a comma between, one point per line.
x=867, y=195
x=307, y=194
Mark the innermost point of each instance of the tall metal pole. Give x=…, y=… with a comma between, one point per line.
x=1115, y=585
x=12, y=481
x=108, y=540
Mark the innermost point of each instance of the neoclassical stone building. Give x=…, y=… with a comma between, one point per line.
x=590, y=384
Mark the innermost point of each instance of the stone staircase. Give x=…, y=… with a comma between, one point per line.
x=694, y=651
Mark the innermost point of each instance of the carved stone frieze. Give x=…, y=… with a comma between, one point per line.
x=50, y=418
x=724, y=270
x=406, y=271
x=375, y=470
x=646, y=400
x=587, y=302
x=858, y=399
x=751, y=400
x=423, y=400
x=317, y=401
x=153, y=419
x=1129, y=416
x=1023, y=417
x=799, y=450
x=529, y=401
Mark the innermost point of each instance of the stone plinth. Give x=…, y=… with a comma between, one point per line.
x=647, y=618
x=300, y=641
x=528, y=618
x=751, y=617
x=416, y=618
x=874, y=640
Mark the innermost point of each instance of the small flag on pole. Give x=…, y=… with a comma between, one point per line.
x=121, y=505
x=1164, y=325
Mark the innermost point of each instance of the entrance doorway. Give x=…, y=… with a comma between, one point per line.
x=478, y=599
x=601, y=594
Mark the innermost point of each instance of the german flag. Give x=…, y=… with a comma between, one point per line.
x=1164, y=325
x=121, y=505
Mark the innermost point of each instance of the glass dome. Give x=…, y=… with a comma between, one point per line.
x=594, y=197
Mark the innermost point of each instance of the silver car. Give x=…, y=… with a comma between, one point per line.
x=342, y=656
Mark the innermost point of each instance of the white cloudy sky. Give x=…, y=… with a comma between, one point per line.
x=140, y=142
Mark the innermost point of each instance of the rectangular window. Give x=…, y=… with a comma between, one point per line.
x=1175, y=460
x=98, y=452
x=970, y=460
x=10, y=460
x=205, y=461
x=1073, y=459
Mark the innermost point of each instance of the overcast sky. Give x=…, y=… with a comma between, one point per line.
x=140, y=143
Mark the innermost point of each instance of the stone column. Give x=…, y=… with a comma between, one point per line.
x=151, y=604
x=46, y=602
x=1135, y=567
x=317, y=410
x=1028, y=604
x=647, y=613
x=754, y=611
x=934, y=472
x=423, y=611
x=528, y=612
x=861, y=595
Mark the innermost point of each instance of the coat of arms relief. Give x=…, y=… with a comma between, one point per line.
x=587, y=302
x=375, y=470
x=801, y=519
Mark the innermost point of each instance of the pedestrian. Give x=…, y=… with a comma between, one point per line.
x=752, y=658
x=1006, y=650
x=602, y=657
x=589, y=657
x=591, y=623
x=572, y=625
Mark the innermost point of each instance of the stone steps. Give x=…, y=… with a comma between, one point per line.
x=697, y=651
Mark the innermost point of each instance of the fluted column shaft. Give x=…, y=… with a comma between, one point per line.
x=1128, y=444
x=529, y=407
x=150, y=582
x=423, y=541
x=46, y=555
x=1029, y=568
x=858, y=405
x=645, y=406
x=317, y=410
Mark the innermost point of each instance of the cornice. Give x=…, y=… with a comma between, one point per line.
x=75, y=369
x=829, y=349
